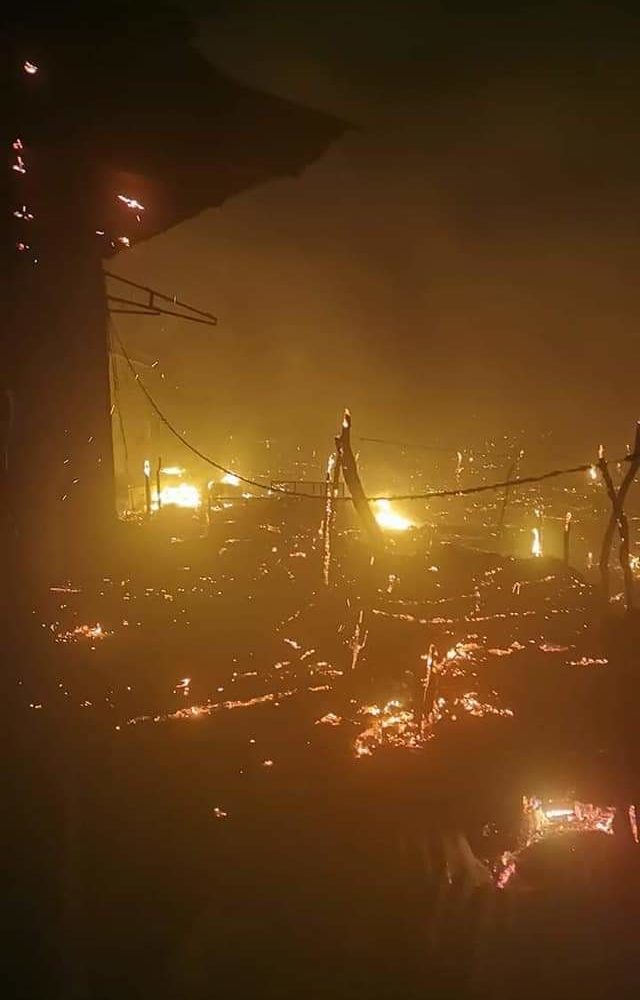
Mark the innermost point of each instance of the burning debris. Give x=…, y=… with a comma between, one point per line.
x=546, y=819
x=80, y=632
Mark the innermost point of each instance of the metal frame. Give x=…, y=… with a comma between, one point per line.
x=153, y=304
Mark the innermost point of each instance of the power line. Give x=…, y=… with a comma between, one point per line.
x=192, y=448
x=428, y=495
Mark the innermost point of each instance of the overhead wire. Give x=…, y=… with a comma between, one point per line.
x=401, y=497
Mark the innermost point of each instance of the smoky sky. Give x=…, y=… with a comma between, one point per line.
x=462, y=264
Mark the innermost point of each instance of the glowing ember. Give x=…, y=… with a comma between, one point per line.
x=330, y=719
x=82, y=632
x=219, y=813
x=131, y=203
x=633, y=822
x=390, y=724
x=388, y=518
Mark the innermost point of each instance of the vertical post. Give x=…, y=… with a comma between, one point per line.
x=566, y=546
x=511, y=471
x=332, y=483
x=352, y=479
x=607, y=541
x=159, y=501
x=147, y=486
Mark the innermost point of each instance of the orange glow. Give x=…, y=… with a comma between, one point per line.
x=182, y=495
x=536, y=544
x=388, y=518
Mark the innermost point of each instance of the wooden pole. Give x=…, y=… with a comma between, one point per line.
x=147, y=487
x=158, y=483
x=334, y=467
x=566, y=541
x=354, y=485
x=511, y=471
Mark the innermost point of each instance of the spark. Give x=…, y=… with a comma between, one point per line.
x=359, y=640
x=131, y=203
x=23, y=213
x=219, y=813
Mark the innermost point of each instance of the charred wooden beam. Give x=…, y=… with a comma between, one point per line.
x=354, y=485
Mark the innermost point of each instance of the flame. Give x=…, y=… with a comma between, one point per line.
x=30, y=68
x=593, y=474
x=182, y=495
x=230, y=479
x=536, y=544
x=172, y=470
x=390, y=519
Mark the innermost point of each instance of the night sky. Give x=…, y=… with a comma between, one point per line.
x=461, y=264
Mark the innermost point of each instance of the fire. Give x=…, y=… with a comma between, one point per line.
x=182, y=495
x=30, y=68
x=230, y=479
x=172, y=470
x=390, y=519
x=536, y=544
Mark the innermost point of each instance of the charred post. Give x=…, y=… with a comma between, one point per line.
x=352, y=479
